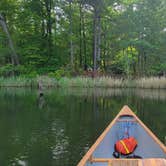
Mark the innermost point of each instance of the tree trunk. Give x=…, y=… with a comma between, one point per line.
x=80, y=29
x=145, y=63
x=14, y=56
x=140, y=64
x=84, y=41
x=98, y=39
x=71, y=34
x=104, y=52
x=95, y=40
x=48, y=4
x=83, y=46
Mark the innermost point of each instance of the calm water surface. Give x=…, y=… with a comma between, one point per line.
x=57, y=129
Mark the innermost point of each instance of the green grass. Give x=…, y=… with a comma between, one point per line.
x=85, y=82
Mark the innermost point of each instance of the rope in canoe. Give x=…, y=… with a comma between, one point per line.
x=126, y=129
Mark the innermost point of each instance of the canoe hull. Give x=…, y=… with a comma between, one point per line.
x=148, y=147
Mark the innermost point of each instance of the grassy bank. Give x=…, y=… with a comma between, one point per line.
x=85, y=82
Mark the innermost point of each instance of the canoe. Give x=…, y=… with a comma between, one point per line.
x=149, y=147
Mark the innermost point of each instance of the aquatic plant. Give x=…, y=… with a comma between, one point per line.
x=84, y=82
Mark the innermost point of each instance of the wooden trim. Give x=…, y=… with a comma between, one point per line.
x=140, y=163
x=164, y=162
x=109, y=163
x=100, y=160
x=124, y=111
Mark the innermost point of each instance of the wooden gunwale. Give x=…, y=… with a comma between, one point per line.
x=124, y=111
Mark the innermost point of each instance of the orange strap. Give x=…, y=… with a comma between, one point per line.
x=122, y=142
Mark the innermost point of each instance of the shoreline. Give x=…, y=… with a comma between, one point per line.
x=83, y=82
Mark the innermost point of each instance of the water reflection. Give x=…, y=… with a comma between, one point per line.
x=60, y=147
x=19, y=161
x=156, y=94
x=41, y=101
x=61, y=126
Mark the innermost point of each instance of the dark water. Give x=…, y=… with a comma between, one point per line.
x=57, y=129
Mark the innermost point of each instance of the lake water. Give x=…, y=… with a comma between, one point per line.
x=57, y=129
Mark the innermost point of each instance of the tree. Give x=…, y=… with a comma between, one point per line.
x=14, y=56
x=125, y=37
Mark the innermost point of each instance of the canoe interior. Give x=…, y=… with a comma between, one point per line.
x=147, y=147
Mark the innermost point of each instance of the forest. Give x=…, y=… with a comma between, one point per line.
x=74, y=37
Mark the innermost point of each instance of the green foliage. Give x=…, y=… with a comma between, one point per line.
x=6, y=70
x=58, y=74
x=46, y=33
x=158, y=69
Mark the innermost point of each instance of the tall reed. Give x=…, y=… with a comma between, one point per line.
x=85, y=82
